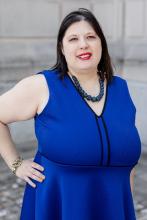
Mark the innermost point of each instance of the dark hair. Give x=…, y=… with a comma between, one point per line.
x=104, y=65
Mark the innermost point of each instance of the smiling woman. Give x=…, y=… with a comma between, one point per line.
x=78, y=31
x=83, y=116
x=81, y=43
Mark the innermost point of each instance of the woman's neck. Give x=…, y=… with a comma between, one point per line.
x=85, y=77
x=88, y=80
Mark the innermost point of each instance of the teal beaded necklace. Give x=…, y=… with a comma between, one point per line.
x=85, y=95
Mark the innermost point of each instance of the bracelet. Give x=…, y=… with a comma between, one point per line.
x=16, y=164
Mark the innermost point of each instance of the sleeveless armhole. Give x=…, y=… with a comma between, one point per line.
x=129, y=95
x=44, y=72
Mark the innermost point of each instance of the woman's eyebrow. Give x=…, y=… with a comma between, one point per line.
x=77, y=35
x=72, y=35
x=90, y=33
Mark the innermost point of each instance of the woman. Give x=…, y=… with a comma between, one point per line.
x=88, y=144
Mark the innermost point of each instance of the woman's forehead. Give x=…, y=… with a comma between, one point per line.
x=81, y=27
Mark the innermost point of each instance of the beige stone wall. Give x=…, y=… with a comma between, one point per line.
x=28, y=31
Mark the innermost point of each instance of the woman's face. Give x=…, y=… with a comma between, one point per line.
x=81, y=38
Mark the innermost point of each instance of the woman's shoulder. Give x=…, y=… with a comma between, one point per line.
x=122, y=85
x=48, y=73
x=118, y=77
x=119, y=80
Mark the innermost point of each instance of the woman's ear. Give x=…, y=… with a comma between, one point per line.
x=62, y=50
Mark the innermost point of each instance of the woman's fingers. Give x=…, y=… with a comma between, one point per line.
x=37, y=173
x=29, y=182
x=36, y=177
x=30, y=170
x=37, y=166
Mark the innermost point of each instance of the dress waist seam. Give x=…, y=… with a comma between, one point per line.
x=83, y=165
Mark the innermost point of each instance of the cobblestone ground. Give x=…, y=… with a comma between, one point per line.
x=12, y=188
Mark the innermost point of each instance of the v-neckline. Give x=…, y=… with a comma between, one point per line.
x=105, y=101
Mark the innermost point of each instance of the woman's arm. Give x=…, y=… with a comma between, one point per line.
x=19, y=103
x=132, y=175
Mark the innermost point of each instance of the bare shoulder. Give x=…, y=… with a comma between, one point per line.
x=35, y=84
x=36, y=80
x=24, y=99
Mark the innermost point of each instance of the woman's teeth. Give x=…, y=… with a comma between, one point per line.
x=85, y=57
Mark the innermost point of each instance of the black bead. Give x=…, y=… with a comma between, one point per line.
x=85, y=95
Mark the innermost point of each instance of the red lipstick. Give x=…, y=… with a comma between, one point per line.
x=85, y=56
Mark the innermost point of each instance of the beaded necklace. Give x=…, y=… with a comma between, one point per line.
x=87, y=96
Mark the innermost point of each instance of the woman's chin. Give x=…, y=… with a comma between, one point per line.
x=86, y=67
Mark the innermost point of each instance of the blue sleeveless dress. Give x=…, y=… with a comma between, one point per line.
x=87, y=158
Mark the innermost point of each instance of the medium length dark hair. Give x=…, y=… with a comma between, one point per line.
x=104, y=66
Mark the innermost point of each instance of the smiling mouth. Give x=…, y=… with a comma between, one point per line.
x=85, y=57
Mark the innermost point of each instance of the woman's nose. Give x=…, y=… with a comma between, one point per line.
x=83, y=44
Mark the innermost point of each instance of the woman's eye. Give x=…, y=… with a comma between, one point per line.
x=91, y=36
x=73, y=39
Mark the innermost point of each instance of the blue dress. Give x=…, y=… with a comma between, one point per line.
x=87, y=158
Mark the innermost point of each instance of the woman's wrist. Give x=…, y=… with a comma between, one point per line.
x=17, y=162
